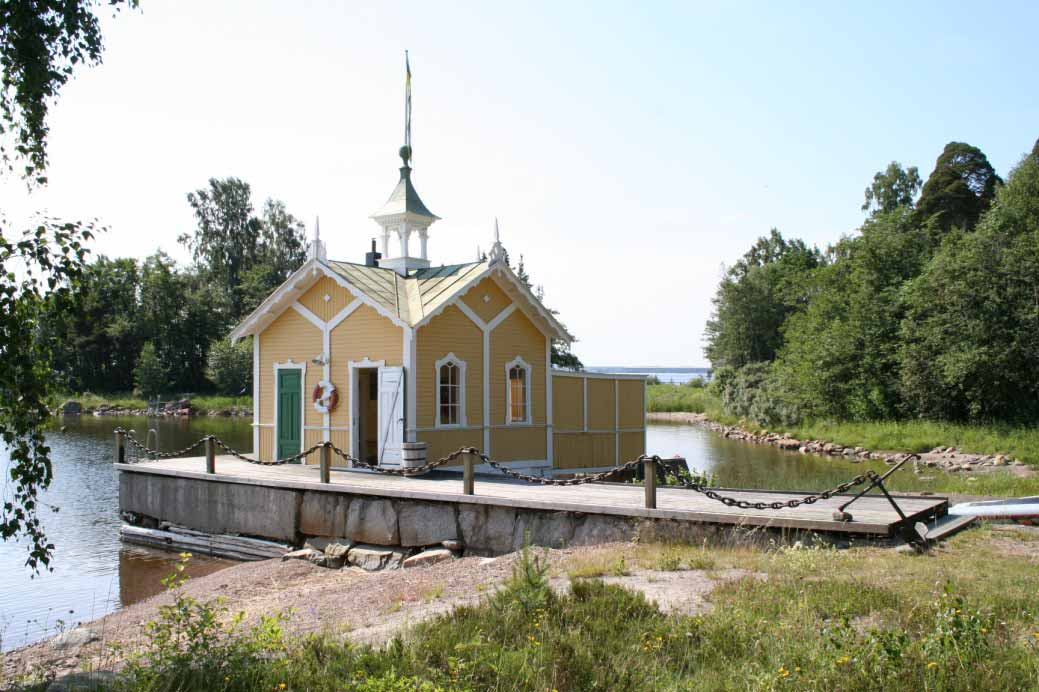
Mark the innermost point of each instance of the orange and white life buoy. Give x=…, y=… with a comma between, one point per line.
x=326, y=397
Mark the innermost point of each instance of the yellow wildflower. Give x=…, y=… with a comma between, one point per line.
x=932, y=664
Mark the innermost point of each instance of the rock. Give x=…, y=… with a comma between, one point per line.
x=487, y=529
x=1000, y=460
x=596, y=529
x=486, y=562
x=74, y=638
x=336, y=551
x=303, y=554
x=453, y=545
x=426, y=523
x=372, y=521
x=320, y=543
x=374, y=557
x=81, y=681
x=323, y=514
x=788, y=443
x=71, y=408
x=428, y=557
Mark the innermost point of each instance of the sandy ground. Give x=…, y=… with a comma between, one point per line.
x=361, y=606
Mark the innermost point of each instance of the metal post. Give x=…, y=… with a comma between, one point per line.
x=210, y=455
x=120, y=446
x=467, y=475
x=326, y=462
x=649, y=467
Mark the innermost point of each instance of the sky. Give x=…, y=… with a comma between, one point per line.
x=630, y=152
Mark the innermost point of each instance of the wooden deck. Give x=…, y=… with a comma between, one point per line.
x=873, y=515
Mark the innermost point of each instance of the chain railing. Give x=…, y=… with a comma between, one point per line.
x=650, y=465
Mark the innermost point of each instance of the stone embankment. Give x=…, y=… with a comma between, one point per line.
x=180, y=408
x=945, y=458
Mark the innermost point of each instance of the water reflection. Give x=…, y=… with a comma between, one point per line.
x=93, y=572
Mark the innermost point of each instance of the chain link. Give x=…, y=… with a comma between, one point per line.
x=668, y=470
x=730, y=501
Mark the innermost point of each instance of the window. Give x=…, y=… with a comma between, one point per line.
x=518, y=391
x=450, y=391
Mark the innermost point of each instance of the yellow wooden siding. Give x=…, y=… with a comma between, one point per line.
x=449, y=332
x=266, y=450
x=567, y=403
x=314, y=299
x=632, y=445
x=311, y=438
x=583, y=450
x=486, y=299
x=601, y=405
x=288, y=336
x=517, y=336
x=364, y=333
x=443, y=442
x=632, y=406
x=519, y=443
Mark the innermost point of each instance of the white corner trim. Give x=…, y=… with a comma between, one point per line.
x=344, y=313
x=527, y=386
x=462, y=383
x=548, y=401
x=256, y=396
x=409, y=356
x=486, y=392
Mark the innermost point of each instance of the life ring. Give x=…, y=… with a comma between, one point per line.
x=325, y=396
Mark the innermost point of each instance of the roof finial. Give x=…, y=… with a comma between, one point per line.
x=317, y=247
x=405, y=151
x=497, y=253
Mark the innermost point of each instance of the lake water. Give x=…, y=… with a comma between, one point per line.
x=94, y=573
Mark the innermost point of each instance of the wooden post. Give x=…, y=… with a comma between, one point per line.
x=120, y=447
x=467, y=475
x=326, y=462
x=649, y=468
x=210, y=455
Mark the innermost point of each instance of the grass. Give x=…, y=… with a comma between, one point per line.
x=203, y=404
x=964, y=617
x=1019, y=442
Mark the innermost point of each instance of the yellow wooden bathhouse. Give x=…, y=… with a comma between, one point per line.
x=373, y=354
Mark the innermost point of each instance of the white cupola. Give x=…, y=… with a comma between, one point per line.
x=404, y=215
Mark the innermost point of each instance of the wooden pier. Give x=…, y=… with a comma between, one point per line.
x=872, y=515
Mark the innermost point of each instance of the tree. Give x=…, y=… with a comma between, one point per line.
x=840, y=356
x=892, y=188
x=970, y=345
x=961, y=187
x=283, y=248
x=151, y=375
x=755, y=297
x=230, y=366
x=41, y=44
x=46, y=258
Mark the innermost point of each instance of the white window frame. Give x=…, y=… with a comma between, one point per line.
x=528, y=385
x=462, y=368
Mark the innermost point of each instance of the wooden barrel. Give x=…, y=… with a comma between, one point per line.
x=412, y=454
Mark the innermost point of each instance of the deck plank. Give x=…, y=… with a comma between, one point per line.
x=872, y=514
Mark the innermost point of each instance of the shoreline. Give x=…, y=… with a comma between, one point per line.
x=948, y=459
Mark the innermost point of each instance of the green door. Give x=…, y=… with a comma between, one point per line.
x=290, y=427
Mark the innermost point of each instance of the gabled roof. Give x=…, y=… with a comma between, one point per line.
x=408, y=301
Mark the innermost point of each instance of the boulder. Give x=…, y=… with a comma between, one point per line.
x=426, y=523
x=428, y=557
x=372, y=521
x=374, y=557
x=788, y=443
x=454, y=545
x=487, y=529
x=71, y=408
x=338, y=550
x=596, y=529
x=303, y=554
x=323, y=514
x=74, y=638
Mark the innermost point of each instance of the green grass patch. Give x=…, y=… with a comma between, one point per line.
x=678, y=397
x=806, y=617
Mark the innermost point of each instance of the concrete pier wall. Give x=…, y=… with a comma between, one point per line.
x=294, y=515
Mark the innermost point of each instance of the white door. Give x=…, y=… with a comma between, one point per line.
x=391, y=414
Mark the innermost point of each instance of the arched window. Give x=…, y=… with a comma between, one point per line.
x=517, y=391
x=450, y=391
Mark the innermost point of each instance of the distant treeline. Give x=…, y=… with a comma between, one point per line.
x=154, y=327
x=930, y=311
